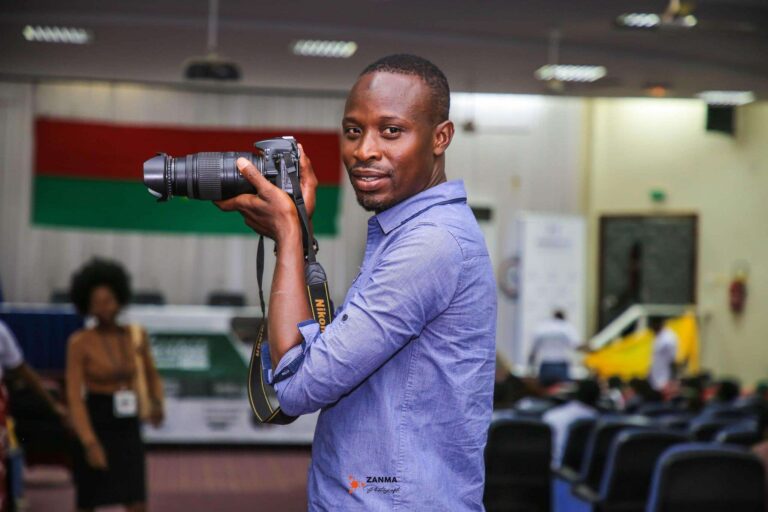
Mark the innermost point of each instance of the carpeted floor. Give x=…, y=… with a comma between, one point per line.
x=193, y=480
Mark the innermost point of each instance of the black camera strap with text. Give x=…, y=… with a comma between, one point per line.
x=261, y=394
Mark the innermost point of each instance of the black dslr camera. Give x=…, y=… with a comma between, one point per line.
x=214, y=176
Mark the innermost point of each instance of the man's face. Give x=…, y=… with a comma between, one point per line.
x=388, y=142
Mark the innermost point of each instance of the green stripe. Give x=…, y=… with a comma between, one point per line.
x=125, y=205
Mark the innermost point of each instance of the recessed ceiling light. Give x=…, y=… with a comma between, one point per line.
x=46, y=34
x=322, y=48
x=570, y=73
x=730, y=98
x=639, y=20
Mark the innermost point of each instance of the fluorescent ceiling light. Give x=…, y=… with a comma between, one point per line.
x=321, y=48
x=56, y=34
x=731, y=98
x=639, y=20
x=570, y=73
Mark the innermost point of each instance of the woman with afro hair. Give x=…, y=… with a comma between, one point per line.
x=104, y=367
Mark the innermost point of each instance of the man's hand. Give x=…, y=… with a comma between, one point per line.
x=271, y=212
x=308, y=182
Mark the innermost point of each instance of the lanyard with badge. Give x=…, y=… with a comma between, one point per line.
x=125, y=402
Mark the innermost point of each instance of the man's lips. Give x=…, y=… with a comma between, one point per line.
x=368, y=180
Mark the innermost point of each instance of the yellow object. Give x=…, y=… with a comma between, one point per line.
x=631, y=356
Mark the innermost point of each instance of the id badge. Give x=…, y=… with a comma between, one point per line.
x=126, y=404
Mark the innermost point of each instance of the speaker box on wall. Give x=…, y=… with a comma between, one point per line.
x=721, y=119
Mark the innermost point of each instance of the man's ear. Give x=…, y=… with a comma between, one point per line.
x=443, y=137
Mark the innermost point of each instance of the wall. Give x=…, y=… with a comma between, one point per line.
x=522, y=153
x=639, y=144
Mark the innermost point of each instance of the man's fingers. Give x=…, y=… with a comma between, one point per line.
x=307, y=172
x=249, y=171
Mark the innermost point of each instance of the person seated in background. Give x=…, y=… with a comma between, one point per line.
x=554, y=343
x=614, y=393
x=561, y=417
x=727, y=392
x=665, y=344
x=104, y=364
x=640, y=393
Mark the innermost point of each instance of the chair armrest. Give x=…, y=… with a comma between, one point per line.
x=586, y=493
x=567, y=474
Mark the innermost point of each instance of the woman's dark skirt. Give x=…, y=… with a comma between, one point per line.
x=124, y=481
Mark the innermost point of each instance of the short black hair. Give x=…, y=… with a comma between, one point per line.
x=99, y=272
x=588, y=391
x=406, y=64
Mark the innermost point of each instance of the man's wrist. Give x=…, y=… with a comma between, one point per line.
x=288, y=231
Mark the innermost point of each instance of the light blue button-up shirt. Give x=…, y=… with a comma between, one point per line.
x=404, y=374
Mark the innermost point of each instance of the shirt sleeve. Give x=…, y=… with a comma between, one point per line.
x=413, y=283
x=10, y=353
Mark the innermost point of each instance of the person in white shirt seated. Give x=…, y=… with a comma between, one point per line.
x=560, y=418
x=664, y=353
x=554, y=343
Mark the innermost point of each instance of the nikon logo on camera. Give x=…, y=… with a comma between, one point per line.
x=321, y=313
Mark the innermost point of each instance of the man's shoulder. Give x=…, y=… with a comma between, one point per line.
x=456, y=220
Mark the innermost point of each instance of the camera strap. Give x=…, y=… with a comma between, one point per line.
x=261, y=394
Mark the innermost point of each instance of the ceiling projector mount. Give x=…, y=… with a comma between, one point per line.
x=212, y=67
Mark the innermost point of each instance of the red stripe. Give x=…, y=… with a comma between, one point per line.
x=117, y=151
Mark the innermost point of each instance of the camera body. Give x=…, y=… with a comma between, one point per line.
x=214, y=176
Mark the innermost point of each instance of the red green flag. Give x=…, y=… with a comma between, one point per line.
x=90, y=175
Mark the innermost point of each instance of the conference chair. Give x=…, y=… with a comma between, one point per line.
x=628, y=470
x=595, y=456
x=705, y=429
x=573, y=453
x=221, y=298
x=742, y=434
x=702, y=477
x=148, y=298
x=517, y=461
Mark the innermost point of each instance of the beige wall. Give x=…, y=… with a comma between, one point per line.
x=635, y=145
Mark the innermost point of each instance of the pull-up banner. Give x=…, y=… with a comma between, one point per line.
x=90, y=175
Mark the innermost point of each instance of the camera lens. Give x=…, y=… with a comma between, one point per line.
x=211, y=176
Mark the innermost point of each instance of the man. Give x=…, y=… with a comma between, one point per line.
x=664, y=354
x=403, y=376
x=553, y=344
x=561, y=418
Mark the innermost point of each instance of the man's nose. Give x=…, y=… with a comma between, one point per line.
x=368, y=148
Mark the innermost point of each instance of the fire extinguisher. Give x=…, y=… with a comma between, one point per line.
x=737, y=291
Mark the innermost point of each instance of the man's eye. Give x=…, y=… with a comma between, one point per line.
x=392, y=130
x=351, y=132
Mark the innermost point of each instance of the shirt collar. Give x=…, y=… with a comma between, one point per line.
x=448, y=192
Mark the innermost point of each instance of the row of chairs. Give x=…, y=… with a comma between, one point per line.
x=614, y=464
x=152, y=297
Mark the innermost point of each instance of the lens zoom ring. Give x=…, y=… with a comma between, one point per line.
x=209, y=170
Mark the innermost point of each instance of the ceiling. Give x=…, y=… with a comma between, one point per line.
x=482, y=45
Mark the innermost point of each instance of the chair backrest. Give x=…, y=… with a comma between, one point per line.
x=576, y=443
x=742, y=434
x=518, y=447
x=656, y=409
x=631, y=460
x=148, y=297
x=600, y=443
x=679, y=421
x=701, y=477
x=220, y=298
x=704, y=429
